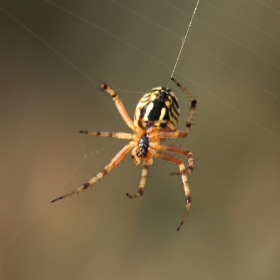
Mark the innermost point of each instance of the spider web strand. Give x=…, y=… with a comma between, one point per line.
x=184, y=40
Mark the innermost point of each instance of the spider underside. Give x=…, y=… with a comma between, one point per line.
x=155, y=118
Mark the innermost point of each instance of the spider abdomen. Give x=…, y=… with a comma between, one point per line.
x=157, y=107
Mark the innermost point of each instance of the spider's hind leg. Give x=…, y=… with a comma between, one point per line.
x=192, y=109
x=119, y=106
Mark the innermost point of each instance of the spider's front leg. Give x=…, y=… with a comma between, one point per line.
x=115, y=161
x=183, y=172
x=142, y=182
x=142, y=152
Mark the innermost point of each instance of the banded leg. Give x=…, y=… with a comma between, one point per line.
x=119, y=106
x=190, y=116
x=120, y=135
x=114, y=162
x=183, y=151
x=142, y=181
x=183, y=172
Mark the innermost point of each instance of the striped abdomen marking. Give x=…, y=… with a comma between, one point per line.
x=160, y=104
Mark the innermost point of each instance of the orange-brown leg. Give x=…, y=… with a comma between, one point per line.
x=114, y=162
x=120, y=135
x=180, y=150
x=183, y=172
x=142, y=181
x=190, y=116
x=119, y=106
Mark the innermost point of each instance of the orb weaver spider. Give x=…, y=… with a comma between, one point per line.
x=155, y=118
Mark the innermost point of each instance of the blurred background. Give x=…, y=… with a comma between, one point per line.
x=54, y=56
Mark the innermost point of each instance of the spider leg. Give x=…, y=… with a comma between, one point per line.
x=180, y=150
x=119, y=106
x=120, y=135
x=190, y=116
x=183, y=172
x=114, y=162
x=142, y=181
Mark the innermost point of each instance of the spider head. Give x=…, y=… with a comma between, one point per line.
x=141, y=151
x=143, y=145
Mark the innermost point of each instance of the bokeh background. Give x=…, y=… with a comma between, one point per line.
x=53, y=57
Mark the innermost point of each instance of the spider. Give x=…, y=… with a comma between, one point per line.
x=155, y=118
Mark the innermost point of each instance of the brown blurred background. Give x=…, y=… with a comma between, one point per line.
x=230, y=62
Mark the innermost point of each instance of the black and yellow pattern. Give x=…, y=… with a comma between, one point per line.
x=160, y=104
x=155, y=119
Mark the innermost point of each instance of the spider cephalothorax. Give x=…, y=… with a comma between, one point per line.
x=155, y=119
x=143, y=145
